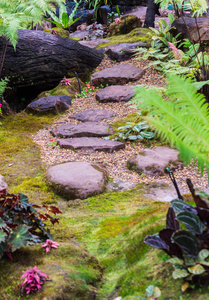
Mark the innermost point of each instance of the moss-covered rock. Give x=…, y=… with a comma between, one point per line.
x=126, y=25
x=136, y=35
x=61, y=32
x=62, y=90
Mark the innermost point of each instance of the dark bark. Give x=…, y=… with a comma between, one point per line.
x=152, y=9
x=41, y=60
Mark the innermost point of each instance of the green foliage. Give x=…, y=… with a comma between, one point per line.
x=20, y=14
x=189, y=248
x=64, y=21
x=182, y=119
x=134, y=131
x=3, y=84
x=20, y=223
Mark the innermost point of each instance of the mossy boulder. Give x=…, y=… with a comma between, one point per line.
x=126, y=25
x=140, y=35
x=61, y=32
x=63, y=90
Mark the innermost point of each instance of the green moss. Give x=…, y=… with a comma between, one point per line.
x=132, y=37
x=63, y=90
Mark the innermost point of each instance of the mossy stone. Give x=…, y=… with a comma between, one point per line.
x=126, y=25
x=61, y=32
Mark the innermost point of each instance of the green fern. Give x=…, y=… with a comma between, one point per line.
x=182, y=119
x=20, y=14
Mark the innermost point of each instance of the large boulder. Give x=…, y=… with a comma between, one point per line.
x=127, y=24
x=116, y=75
x=189, y=29
x=115, y=93
x=155, y=161
x=74, y=180
x=51, y=104
x=42, y=59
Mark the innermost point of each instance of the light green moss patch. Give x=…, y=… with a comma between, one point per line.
x=132, y=37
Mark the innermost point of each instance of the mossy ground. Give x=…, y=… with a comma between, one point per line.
x=102, y=251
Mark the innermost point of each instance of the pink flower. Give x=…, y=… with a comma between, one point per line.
x=117, y=20
x=99, y=69
x=93, y=87
x=0, y=105
x=86, y=90
x=88, y=86
x=176, y=52
x=76, y=93
x=50, y=244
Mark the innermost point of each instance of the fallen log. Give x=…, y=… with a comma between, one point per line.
x=41, y=60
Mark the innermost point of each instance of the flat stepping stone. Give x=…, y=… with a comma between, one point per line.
x=51, y=104
x=120, y=74
x=154, y=161
x=91, y=144
x=74, y=180
x=116, y=93
x=87, y=129
x=123, y=51
x=94, y=115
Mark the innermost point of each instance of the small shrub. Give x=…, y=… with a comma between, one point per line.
x=21, y=224
x=86, y=91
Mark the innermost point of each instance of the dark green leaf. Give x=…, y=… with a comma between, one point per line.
x=23, y=200
x=3, y=236
x=20, y=237
x=178, y=205
x=188, y=242
x=191, y=221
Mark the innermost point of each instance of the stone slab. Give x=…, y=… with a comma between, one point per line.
x=154, y=161
x=75, y=180
x=120, y=74
x=116, y=93
x=91, y=144
x=94, y=115
x=86, y=129
x=123, y=51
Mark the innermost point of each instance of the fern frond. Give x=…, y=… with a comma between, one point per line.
x=182, y=119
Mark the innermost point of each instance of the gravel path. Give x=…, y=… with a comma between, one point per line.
x=115, y=163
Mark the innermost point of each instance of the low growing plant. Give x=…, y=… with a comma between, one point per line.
x=132, y=131
x=152, y=293
x=85, y=92
x=185, y=238
x=33, y=280
x=21, y=224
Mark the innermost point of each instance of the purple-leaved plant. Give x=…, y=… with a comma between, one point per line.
x=33, y=280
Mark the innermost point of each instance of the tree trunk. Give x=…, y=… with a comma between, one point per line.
x=152, y=9
x=41, y=60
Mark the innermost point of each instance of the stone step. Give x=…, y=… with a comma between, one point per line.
x=91, y=144
x=120, y=74
x=94, y=115
x=116, y=93
x=86, y=129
